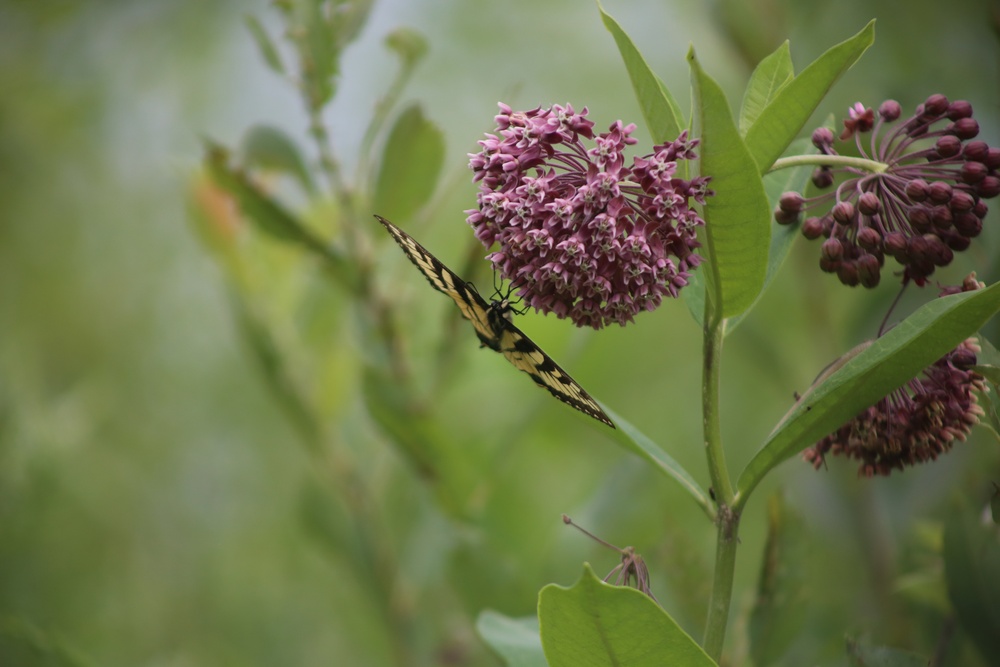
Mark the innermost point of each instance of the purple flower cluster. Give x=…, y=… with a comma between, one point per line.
x=916, y=423
x=923, y=206
x=580, y=234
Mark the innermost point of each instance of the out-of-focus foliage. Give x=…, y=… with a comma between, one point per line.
x=160, y=503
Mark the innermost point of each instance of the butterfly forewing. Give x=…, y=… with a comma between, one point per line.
x=495, y=330
x=473, y=306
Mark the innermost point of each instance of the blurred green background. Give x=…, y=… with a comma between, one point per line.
x=159, y=507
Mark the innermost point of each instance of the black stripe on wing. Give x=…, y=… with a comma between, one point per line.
x=474, y=308
x=526, y=356
x=494, y=328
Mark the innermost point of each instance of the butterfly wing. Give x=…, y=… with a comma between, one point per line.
x=495, y=330
x=522, y=352
x=473, y=306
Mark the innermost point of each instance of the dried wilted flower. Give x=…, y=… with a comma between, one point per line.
x=921, y=202
x=580, y=234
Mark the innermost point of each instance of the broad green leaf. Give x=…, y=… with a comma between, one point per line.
x=887, y=364
x=265, y=44
x=411, y=164
x=515, y=640
x=769, y=77
x=271, y=149
x=737, y=217
x=635, y=441
x=594, y=624
x=661, y=111
x=782, y=236
x=780, y=122
x=861, y=655
x=776, y=620
x=972, y=573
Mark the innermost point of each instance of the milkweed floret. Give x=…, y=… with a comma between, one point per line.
x=580, y=234
x=924, y=205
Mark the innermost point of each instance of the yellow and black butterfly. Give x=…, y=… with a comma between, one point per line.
x=495, y=330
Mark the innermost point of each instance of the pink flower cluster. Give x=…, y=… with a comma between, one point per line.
x=580, y=234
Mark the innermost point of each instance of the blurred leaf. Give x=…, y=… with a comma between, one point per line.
x=271, y=361
x=271, y=149
x=270, y=217
x=25, y=645
x=737, y=217
x=347, y=17
x=768, y=78
x=408, y=44
x=321, y=30
x=327, y=520
x=515, y=640
x=777, y=619
x=635, y=441
x=780, y=122
x=214, y=216
x=594, y=624
x=661, y=111
x=859, y=655
x=887, y=364
x=411, y=164
x=266, y=45
x=972, y=572
x=399, y=411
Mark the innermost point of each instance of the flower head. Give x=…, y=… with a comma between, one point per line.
x=920, y=202
x=581, y=234
x=914, y=424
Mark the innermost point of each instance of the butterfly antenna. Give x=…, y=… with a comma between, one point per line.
x=569, y=522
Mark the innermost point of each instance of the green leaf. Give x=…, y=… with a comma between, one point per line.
x=782, y=236
x=268, y=215
x=271, y=149
x=780, y=122
x=411, y=164
x=887, y=364
x=661, y=111
x=860, y=655
x=594, y=624
x=266, y=45
x=635, y=441
x=515, y=640
x=769, y=77
x=972, y=573
x=737, y=217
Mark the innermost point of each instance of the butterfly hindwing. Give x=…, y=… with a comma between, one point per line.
x=494, y=328
x=522, y=352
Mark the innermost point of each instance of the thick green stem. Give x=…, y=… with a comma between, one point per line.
x=727, y=521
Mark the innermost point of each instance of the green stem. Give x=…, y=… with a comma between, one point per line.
x=829, y=161
x=727, y=521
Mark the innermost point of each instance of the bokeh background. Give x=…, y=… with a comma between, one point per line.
x=158, y=505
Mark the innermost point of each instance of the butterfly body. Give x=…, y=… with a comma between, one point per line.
x=494, y=327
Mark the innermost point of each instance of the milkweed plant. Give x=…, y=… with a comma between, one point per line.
x=590, y=226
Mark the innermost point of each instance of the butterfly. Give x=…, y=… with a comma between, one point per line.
x=494, y=327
